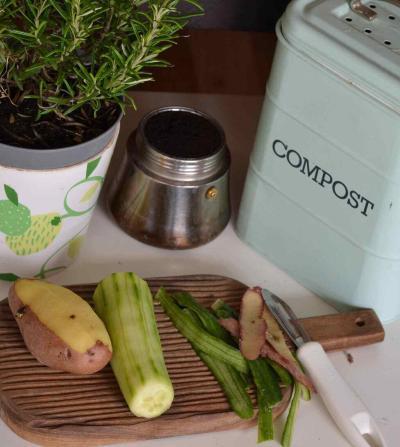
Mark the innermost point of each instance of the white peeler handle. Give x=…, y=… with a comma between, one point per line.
x=345, y=407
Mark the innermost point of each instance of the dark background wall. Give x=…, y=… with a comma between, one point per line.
x=244, y=15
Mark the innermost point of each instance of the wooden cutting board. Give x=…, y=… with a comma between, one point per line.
x=52, y=408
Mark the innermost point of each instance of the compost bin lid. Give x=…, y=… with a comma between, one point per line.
x=364, y=51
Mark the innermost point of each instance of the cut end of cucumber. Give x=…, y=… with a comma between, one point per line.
x=152, y=400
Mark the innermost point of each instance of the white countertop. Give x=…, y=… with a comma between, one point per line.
x=375, y=373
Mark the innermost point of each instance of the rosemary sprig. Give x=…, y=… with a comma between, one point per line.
x=67, y=54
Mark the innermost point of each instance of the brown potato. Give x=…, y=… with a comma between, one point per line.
x=59, y=328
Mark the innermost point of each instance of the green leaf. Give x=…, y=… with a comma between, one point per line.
x=10, y=277
x=22, y=34
x=91, y=166
x=30, y=71
x=56, y=221
x=11, y=194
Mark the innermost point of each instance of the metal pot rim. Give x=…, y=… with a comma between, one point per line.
x=184, y=169
x=213, y=121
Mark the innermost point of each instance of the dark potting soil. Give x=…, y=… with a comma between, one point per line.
x=181, y=134
x=19, y=126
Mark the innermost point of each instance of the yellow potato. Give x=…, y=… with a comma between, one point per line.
x=59, y=328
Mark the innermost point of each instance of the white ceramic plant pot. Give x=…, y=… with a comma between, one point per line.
x=46, y=201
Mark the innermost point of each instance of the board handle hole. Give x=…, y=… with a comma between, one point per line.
x=360, y=322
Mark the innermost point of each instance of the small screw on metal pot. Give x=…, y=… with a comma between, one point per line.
x=212, y=193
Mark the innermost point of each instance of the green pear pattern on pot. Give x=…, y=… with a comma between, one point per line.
x=27, y=234
x=82, y=196
x=74, y=246
x=15, y=218
x=43, y=230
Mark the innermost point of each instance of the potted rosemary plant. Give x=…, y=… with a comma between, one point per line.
x=66, y=67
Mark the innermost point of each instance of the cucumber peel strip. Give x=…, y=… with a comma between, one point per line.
x=289, y=425
x=230, y=380
x=207, y=343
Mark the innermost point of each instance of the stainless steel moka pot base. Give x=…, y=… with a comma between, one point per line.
x=175, y=191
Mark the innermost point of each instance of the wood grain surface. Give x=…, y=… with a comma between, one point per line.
x=53, y=408
x=218, y=62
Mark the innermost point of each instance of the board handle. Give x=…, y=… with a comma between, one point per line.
x=345, y=330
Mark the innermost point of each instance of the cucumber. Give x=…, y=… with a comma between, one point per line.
x=207, y=343
x=230, y=380
x=289, y=424
x=268, y=394
x=208, y=320
x=232, y=384
x=223, y=310
x=284, y=376
x=125, y=304
x=265, y=420
x=265, y=381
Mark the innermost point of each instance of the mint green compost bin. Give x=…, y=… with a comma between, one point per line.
x=322, y=195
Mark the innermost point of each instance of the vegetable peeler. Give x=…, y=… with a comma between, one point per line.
x=347, y=410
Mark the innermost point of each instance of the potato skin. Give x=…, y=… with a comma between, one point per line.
x=50, y=349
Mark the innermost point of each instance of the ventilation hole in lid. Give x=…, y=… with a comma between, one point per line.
x=372, y=6
x=368, y=31
x=392, y=17
x=387, y=42
x=349, y=19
